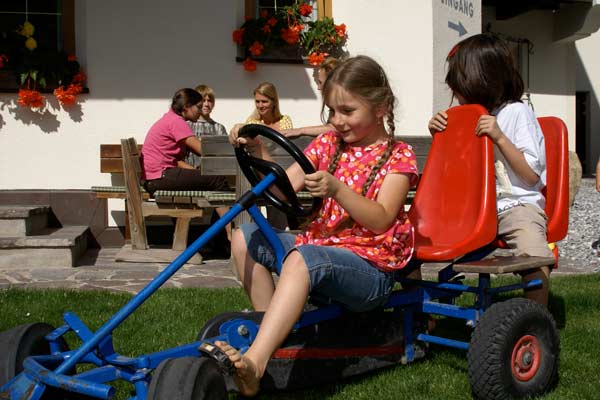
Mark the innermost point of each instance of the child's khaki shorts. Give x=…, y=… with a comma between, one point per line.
x=523, y=228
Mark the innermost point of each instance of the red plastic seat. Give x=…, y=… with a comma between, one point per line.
x=454, y=209
x=557, y=177
x=556, y=191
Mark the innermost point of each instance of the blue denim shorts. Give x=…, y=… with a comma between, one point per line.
x=336, y=275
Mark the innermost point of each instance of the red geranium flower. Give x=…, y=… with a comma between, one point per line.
x=316, y=59
x=272, y=21
x=341, y=30
x=264, y=13
x=249, y=65
x=305, y=9
x=238, y=35
x=30, y=98
x=65, y=97
x=266, y=28
x=291, y=35
x=72, y=57
x=75, y=88
x=79, y=77
x=256, y=49
x=3, y=60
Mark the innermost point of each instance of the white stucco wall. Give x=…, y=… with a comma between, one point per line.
x=552, y=72
x=137, y=53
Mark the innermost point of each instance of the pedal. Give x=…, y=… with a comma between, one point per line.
x=212, y=351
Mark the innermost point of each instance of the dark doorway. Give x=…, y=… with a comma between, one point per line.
x=582, y=130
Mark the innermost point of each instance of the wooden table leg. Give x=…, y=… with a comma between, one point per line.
x=182, y=227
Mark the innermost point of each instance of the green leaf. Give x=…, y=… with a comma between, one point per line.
x=24, y=76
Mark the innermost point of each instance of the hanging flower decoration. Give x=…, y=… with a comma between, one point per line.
x=39, y=68
x=289, y=26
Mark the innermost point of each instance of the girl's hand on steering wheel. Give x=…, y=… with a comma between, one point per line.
x=252, y=144
x=322, y=184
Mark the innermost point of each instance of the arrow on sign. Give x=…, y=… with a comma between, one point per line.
x=457, y=27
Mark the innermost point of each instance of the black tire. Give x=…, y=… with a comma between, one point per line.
x=18, y=343
x=211, y=328
x=514, y=351
x=187, y=378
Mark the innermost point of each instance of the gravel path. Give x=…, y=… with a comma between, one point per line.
x=580, y=247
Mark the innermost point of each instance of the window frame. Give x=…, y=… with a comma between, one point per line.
x=324, y=9
x=8, y=80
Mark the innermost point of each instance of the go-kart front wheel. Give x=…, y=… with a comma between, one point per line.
x=514, y=351
x=20, y=342
x=187, y=378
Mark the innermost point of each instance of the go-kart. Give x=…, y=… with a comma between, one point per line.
x=514, y=346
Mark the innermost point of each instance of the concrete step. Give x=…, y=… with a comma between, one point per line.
x=19, y=221
x=60, y=247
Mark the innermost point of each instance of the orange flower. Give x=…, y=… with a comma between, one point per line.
x=65, y=97
x=341, y=30
x=3, y=60
x=30, y=98
x=305, y=9
x=75, y=88
x=291, y=35
x=72, y=57
x=256, y=49
x=316, y=59
x=272, y=21
x=249, y=65
x=238, y=35
x=79, y=77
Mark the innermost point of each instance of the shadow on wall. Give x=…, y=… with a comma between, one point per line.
x=584, y=83
x=46, y=120
x=154, y=48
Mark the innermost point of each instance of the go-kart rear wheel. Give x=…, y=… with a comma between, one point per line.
x=211, y=328
x=514, y=351
x=18, y=343
x=187, y=378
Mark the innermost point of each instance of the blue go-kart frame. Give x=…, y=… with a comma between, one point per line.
x=45, y=375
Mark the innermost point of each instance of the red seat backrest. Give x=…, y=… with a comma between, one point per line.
x=454, y=209
x=557, y=177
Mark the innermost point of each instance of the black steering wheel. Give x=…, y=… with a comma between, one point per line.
x=253, y=168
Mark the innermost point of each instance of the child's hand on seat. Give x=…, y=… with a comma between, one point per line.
x=487, y=125
x=438, y=123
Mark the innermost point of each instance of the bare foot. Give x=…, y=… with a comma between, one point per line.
x=247, y=376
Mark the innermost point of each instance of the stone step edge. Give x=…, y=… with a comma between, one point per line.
x=66, y=236
x=21, y=212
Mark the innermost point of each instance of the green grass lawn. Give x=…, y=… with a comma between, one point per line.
x=174, y=316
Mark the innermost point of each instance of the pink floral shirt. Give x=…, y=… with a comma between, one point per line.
x=390, y=250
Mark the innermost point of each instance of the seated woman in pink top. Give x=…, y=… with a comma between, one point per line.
x=165, y=148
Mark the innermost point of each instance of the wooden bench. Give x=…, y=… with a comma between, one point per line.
x=181, y=205
x=218, y=159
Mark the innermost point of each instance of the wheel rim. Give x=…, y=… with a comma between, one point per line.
x=526, y=357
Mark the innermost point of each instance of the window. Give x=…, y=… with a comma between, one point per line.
x=53, y=21
x=253, y=7
x=284, y=54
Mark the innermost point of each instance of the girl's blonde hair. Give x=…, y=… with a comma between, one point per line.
x=268, y=90
x=363, y=77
